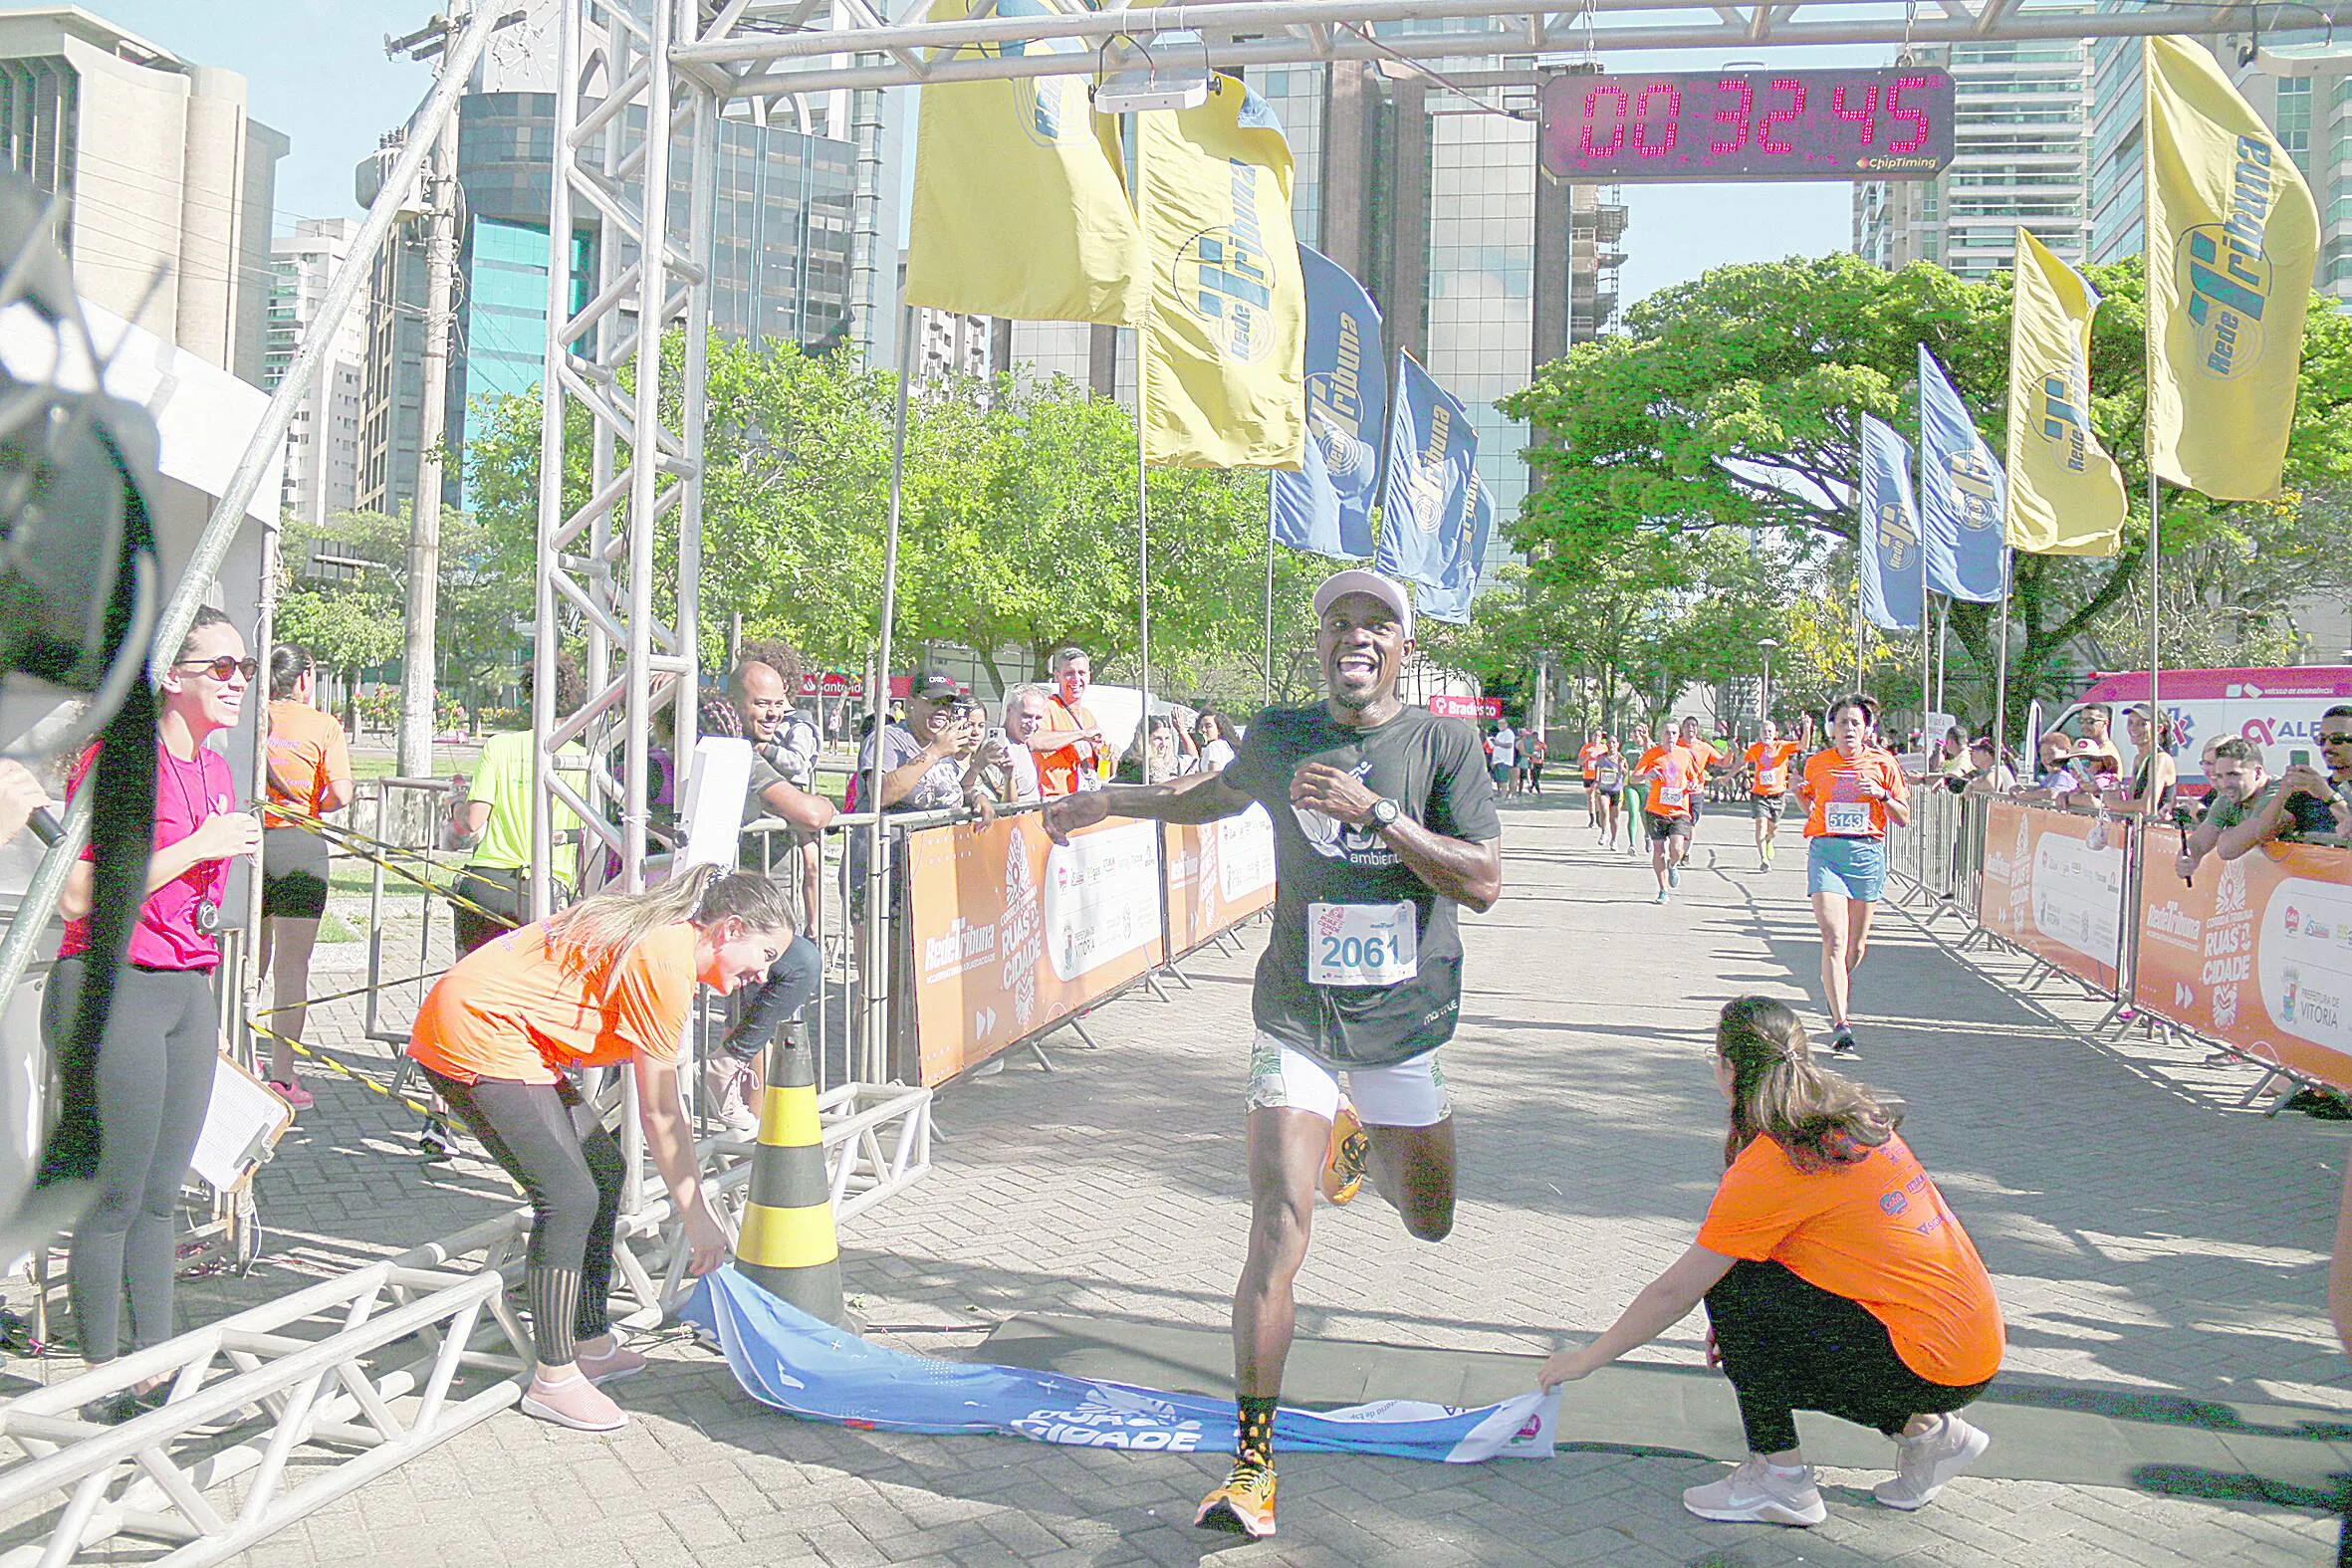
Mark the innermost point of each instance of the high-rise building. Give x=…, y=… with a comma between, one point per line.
x=2023, y=157
x=169, y=185
x=323, y=442
x=781, y=254
x=1483, y=267
x=2297, y=77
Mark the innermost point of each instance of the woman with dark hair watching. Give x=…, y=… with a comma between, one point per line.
x=309, y=769
x=608, y=981
x=2155, y=776
x=1219, y=740
x=1836, y=1278
x=153, y=1080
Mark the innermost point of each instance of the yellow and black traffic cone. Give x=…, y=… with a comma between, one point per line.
x=787, y=1244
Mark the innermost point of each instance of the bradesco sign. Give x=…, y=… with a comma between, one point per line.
x=2255, y=952
x=1447, y=706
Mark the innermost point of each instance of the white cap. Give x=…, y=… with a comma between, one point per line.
x=1386, y=590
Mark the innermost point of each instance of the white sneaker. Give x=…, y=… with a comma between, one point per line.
x=1754, y=1495
x=1925, y=1465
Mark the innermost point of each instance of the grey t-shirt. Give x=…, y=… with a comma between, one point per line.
x=1434, y=769
x=940, y=788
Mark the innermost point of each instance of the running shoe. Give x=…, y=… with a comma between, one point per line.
x=1841, y=1045
x=1755, y=1494
x=1926, y=1463
x=574, y=1402
x=1243, y=1505
x=434, y=1138
x=292, y=1093
x=1661, y=898
x=1347, y=1158
x=1672, y=876
x=615, y=1364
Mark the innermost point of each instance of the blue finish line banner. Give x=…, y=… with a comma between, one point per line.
x=791, y=1362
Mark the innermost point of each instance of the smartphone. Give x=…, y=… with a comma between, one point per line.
x=2298, y=757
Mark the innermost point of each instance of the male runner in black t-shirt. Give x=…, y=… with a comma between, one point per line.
x=1384, y=819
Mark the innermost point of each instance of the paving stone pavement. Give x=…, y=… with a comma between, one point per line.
x=2146, y=1237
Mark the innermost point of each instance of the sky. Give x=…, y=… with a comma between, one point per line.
x=316, y=71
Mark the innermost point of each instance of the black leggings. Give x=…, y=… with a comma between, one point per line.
x=545, y=1138
x=503, y=893
x=156, y=1063
x=1789, y=1346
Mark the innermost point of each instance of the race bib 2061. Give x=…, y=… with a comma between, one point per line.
x=1362, y=944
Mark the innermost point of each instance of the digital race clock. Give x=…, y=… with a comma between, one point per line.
x=1895, y=124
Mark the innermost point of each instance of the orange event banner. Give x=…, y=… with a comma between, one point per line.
x=2054, y=885
x=1218, y=873
x=1010, y=933
x=2255, y=952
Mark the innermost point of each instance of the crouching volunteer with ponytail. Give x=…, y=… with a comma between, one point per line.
x=1835, y=1279
x=608, y=981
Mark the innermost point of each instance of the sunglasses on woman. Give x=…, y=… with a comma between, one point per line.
x=222, y=668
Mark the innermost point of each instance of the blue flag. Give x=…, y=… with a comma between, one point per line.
x=805, y=1367
x=1325, y=504
x=1467, y=555
x=1431, y=446
x=1962, y=495
x=1892, y=594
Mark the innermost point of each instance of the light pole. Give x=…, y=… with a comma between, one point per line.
x=1764, y=695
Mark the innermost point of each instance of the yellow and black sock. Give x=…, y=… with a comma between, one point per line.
x=1253, y=1441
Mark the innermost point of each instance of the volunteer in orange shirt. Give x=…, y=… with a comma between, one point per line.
x=311, y=771
x=1851, y=792
x=1767, y=767
x=1671, y=777
x=1593, y=745
x=1071, y=753
x=608, y=981
x=1835, y=1276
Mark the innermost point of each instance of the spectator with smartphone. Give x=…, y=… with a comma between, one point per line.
x=2307, y=805
x=784, y=742
x=2234, y=767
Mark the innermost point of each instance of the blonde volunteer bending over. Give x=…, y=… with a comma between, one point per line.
x=1835, y=1276
x=609, y=980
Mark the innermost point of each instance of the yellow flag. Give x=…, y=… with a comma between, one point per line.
x=2233, y=236
x=2065, y=493
x=1225, y=335
x=1019, y=210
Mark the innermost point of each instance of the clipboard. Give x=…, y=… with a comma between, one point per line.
x=242, y=1126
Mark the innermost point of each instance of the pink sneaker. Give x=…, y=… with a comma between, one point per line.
x=617, y=1362
x=293, y=1094
x=574, y=1402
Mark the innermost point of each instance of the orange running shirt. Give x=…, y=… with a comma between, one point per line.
x=1835, y=807
x=1585, y=757
x=1058, y=769
x=1770, y=764
x=511, y=1009
x=1876, y=1232
x=1669, y=793
x=308, y=753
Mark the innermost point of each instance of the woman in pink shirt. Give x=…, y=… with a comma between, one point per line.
x=153, y=1079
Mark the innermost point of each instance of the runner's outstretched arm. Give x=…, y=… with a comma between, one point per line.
x=1193, y=797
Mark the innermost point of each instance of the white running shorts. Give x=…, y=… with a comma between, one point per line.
x=1409, y=1094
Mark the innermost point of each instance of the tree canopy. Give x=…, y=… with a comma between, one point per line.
x=1732, y=403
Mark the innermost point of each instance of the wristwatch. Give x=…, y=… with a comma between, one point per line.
x=1383, y=816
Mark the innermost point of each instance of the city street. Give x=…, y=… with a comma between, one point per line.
x=2173, y=1392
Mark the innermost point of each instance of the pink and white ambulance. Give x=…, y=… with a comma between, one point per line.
x=2276, y=708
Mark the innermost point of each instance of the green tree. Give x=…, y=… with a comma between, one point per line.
x=1733, y=403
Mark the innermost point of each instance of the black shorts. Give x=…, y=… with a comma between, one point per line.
x=1664, y=827
x=293, y=874
x=1771, y=806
